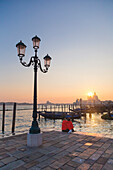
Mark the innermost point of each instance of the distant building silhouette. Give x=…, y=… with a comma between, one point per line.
x=91, y=100
x=49, y=103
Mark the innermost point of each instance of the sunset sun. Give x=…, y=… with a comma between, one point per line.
x=90, y=94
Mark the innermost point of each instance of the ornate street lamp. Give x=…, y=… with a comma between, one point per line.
x=35, y=61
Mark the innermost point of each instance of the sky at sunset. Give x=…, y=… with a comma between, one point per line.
x=77, y=34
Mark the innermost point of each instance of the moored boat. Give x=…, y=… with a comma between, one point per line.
x=58, y=115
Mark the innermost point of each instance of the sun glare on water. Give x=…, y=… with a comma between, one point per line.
x=90, y=94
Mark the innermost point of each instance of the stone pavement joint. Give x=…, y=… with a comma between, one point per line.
x=62, y=151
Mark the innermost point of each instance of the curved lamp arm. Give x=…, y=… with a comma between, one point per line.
x=25, y=64
x=43, y=70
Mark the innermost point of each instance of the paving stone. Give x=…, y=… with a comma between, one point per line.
x=105, y=155
x=102, y=149
x=107, y=167
x=45, y=163
x=102, y=160
x=94, y=147
x=84, y=146
x=32, y=157
x=73, y=164
x=95, y=156
x=111, y=156
x=22, y=149
x=84, y=156
x=83, y=142
x=1, y=164
x=20, y=168
x=110, y=161
x=73, y=154
x=104, y=140
x=2, y=151
x=30, y=164
x=46, y=145
x=43, y=151
x=78, y=145
x=83, y=166
x=61, y=154
x=65, y=146
x=78, y=160
x=90, y=161
x=56, y=165
x=59, y=145
x=110, y=148
x=48, y=168
x=51, y=148
x=99, y=152
x=4, y=156
x=67, y=167
x=71, y=149
x=8, y=160
x=13, y=165
x=15, y=152
x=20, y=155
x=98, y=144
x=109, y=151
x=110, y=141
x=90, y=151
x=43, y=158
x=106, y=145
x=80, y=149
x=88, y=144
x=64, y=159
x=96, y=166
x=57, y=150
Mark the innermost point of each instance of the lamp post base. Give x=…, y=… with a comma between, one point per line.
x=34, y=140
x=34, y=128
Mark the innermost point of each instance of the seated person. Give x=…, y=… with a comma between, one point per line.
x=64, y=126
x=67, y=125
x=70, y=125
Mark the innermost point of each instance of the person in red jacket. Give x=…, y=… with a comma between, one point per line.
x=70, y=125
x=65, y=126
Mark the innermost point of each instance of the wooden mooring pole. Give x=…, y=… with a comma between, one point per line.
x=39, y=112
x=39, y=116
x=3, y=118
x=14, y=116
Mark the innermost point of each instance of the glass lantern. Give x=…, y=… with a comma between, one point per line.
x=47, y=60
x=36, y=41
x=21, y=49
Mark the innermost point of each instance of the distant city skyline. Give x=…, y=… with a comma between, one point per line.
x=78, y=35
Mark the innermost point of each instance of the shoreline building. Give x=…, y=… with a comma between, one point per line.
x=91, y=100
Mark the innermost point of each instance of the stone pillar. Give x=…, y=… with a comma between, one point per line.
x=34, y=140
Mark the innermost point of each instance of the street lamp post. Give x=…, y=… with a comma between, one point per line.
x=35, y=61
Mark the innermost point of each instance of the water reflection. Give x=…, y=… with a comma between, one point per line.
x=91, y=123
x=94, y=124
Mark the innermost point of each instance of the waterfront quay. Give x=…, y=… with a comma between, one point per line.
x=62, y=151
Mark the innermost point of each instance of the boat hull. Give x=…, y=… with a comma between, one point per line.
x=58, y=115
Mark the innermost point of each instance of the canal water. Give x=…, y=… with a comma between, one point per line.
x=91, y=124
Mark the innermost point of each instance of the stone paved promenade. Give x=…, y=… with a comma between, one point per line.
x=59, y=151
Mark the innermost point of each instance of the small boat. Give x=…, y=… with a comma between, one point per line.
x=79, y=111
x=58, y=115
